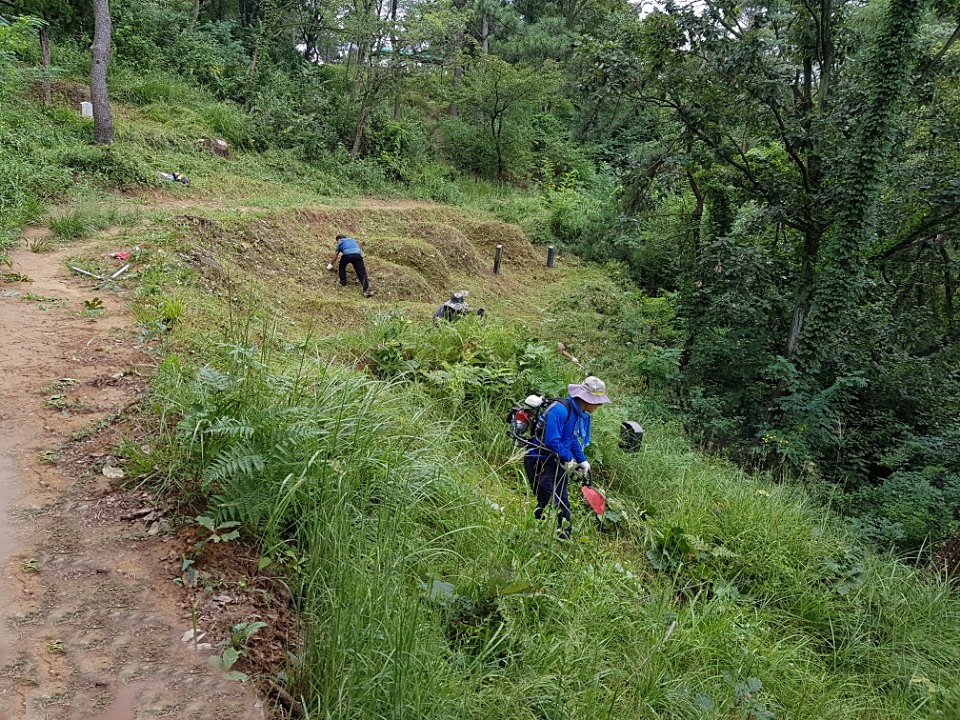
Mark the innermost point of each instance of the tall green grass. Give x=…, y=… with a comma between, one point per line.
x=80, y=222
x=427, y=591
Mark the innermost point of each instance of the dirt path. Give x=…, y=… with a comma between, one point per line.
x=92, y=620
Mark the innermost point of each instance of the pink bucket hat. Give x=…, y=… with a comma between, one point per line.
x=592, y=390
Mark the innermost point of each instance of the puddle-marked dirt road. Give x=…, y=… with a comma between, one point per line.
x=92, y=622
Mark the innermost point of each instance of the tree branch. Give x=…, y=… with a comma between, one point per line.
x=921, y=232
x=927, y=66
x=717, y=15
x=741, y=164
x=788, y=146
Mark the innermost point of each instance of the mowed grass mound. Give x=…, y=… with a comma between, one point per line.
x=408, y=254
x=460, y=252
x=517, y=250
x=414, y=255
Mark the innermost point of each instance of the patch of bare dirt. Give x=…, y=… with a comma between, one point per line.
x=93, y=620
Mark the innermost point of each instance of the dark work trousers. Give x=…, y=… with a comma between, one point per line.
x=358, y=267
x=549, y=481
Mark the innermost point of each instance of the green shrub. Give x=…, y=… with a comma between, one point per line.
x=367, y=174
x=295, y=112
x=72, y=225
x=214, y=58
x=15, y=41
x=433, y=181
x=911, y=511
x=144, y=33
x=83, y=222
x=467, y=149
x=555, y=156
x=229, y=122
x=163, y=36
x=571, y=214
x=113, y=166
x=140, y=88
x=29, y=172
x=29, y=181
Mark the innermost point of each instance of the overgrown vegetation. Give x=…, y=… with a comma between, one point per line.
x=389, y=497
x=781, y=176
x=771, y=190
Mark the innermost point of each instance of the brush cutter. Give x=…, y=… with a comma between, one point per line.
x=562, y=349
x=594, y=498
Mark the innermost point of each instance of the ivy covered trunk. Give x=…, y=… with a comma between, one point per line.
x=838, y=285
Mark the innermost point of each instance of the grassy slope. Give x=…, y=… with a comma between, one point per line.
x=363, y=452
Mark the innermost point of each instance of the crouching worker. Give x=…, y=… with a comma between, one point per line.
x=556, y=454
x=349, y=251
x=455, y=308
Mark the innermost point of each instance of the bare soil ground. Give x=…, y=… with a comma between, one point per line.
x=93, y=622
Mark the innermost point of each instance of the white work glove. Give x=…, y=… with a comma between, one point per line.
x=584, y=467
x=329, y=266
x=571, y=466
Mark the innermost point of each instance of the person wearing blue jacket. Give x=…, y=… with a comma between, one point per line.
x=349, y=251
x=557, y=452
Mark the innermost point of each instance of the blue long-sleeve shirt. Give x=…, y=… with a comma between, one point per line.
x=349, y=246
x=564, y=436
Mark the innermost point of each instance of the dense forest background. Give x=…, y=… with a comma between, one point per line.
x=785, y=175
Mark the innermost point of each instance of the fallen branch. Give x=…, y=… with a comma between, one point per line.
x=294, y=706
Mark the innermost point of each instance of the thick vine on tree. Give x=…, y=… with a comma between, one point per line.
x=838, y=286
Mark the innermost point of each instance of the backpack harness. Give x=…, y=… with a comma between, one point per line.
x=526, y=423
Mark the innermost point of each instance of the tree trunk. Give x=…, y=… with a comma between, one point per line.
x=455, y=51
x=396, y=64
x=252, y=73
x=485, y=34
x=693, y=327
x=840, y=267
x=496, y=127
x=195, y=15
x=948, y=283
x=45, y=59
x=457, y=76
x=358, y=134
x=361, y=70
x=805, y=286
x=100, y=56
